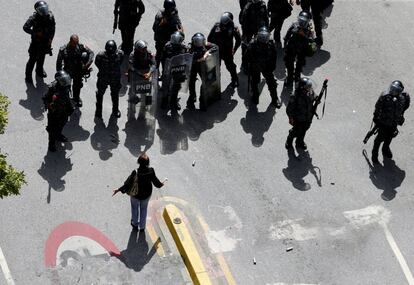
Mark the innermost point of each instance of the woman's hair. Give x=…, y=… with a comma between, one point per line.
x=143, y=160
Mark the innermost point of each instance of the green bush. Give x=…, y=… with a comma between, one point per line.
x=11, y=180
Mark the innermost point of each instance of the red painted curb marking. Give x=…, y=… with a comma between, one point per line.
x=69, y=229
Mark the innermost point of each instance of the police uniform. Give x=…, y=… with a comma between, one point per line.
x=316, y=9
x=141, y=61
x=171, y=50
x=261, y=59
x=70, y=60
x=388, y=114
x=130, y=13
x=109, y=66
x=58, y=104
x=164, y=26
x=278, y=10
x=254, y=17
x=198, y=54
x=296, y=44
x=42, y=31
x=223, y=38
x=300, y=113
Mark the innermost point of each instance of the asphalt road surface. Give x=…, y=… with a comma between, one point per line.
x=321, y=217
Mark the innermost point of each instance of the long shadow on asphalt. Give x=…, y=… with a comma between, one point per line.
x=258, y=123
x=105, y=138
x=34, y=102
x=317, y=60
x=73, y=130
x=299, y=167
x=137, y=254
x=54, y=167
x=386, y=177
x=174, y=131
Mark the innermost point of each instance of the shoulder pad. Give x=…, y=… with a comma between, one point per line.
x=62, y=48
x=101, y=53
x=383, y=95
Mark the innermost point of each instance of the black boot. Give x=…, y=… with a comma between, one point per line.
x=386, y=151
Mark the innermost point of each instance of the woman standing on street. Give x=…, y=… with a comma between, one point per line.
x=139, y=186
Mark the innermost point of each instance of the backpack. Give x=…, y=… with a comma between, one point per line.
x=134, y=187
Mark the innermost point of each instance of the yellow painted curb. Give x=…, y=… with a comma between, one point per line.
x=181, y=235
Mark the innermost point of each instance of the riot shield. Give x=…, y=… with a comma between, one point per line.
x=176, y=74
x=143, y=96
x=210, y=77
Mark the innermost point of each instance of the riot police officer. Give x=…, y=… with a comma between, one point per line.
x=141, y=60
x=261, y=57
x=41, y=27
x=297, y=43
x=109, y=66
x=315, y=7
x=279, y=10
x=70, y=60
x=59, y=107
x=199, y=47
x=127, y=15
x=173, y=48
x=222, y=35
x=141, y=64
x=300, y=113
x=254, y=16
x=388, y=114
x=166, y=23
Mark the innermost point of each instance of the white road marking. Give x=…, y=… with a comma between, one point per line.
x=381, y=216
x=366, y=216
x=398, y=254
x=5, y=269
x=79, y=245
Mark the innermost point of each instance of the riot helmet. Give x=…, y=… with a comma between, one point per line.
x=226, y=19
x=41, y=8
x=305, y=83
x=63, y=78
x=169, y=5
x=110, y=47
x=263, y=36
x=304, y=19
x=396, y=88
x=140, y=46
x=84, y=57
x=198, y=40
x=177, y=38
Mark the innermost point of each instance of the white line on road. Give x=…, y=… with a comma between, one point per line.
x=381, y=216
x=5, y=269
x=398, y=254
